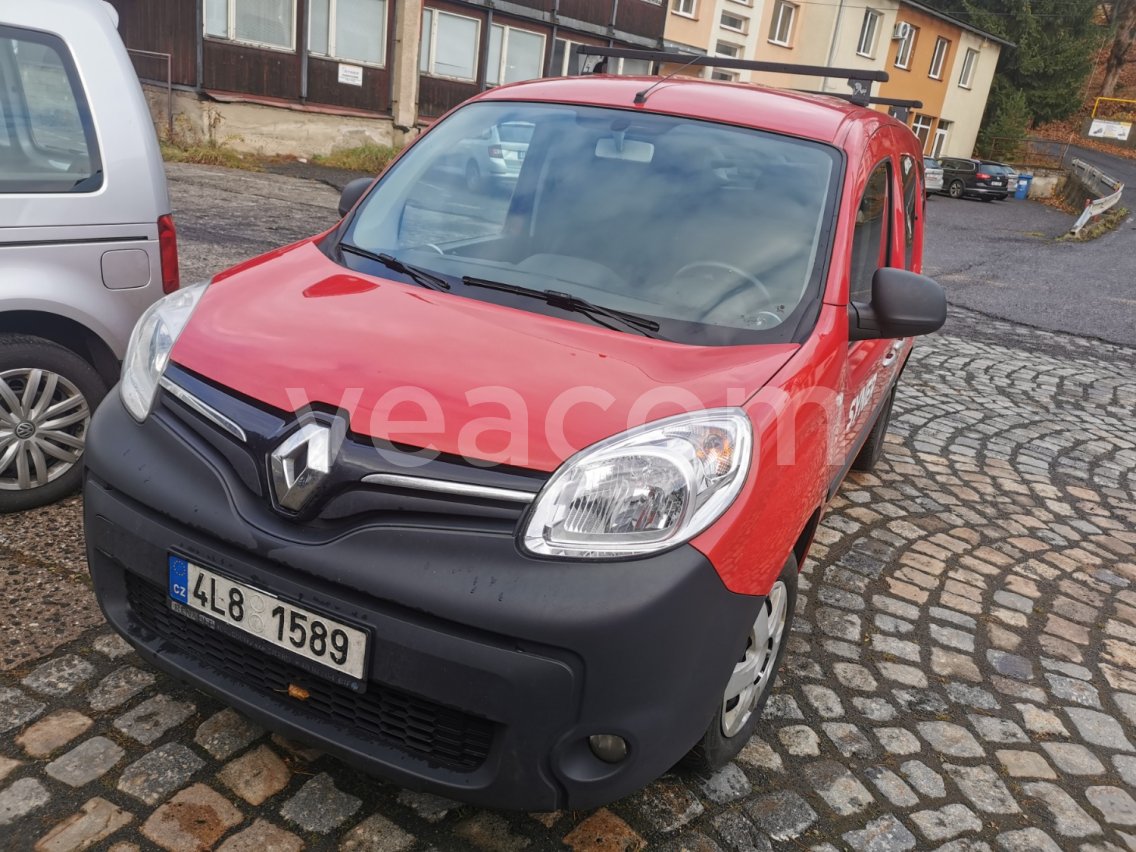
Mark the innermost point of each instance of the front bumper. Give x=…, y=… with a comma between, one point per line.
x=489, y=669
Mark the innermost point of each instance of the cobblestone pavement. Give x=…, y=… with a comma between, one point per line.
x=961, y=676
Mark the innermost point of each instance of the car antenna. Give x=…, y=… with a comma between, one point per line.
x=641, y=97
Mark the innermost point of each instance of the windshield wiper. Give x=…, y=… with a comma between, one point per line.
x=568, y=302
x=419, y=276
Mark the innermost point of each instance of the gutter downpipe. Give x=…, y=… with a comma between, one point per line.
x=614, y=18
x=552, y=39
x=832, y=43
x=199, y=15
x=483, y=53
x=302, y=43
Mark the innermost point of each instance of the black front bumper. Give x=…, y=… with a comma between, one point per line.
x=489, y=669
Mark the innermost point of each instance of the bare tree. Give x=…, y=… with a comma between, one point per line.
x=1124, y=20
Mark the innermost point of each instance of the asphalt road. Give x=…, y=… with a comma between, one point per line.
x=1003, y=259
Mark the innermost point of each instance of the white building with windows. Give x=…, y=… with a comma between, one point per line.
x=930, y=57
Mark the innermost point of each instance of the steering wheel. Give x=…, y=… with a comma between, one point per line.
x=747, y=280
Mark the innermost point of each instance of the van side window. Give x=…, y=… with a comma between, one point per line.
x=47, y=137
x=912, y=206
x=870, y=241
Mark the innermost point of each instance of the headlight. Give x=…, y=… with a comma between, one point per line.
x=645, y=490
x=149, y=349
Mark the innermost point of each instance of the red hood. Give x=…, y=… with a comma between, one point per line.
x=477, y=379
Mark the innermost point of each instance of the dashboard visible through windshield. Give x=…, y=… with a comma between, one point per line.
x=701, y=233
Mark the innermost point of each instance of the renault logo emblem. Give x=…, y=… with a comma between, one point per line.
x=300, y=464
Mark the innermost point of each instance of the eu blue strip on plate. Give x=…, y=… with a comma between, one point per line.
x=179, y=579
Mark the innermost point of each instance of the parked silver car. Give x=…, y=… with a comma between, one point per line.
x=495, y=157
x=934, y=172
x=86, y=238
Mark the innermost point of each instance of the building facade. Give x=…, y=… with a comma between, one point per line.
x=930, y=57
x=404, y=60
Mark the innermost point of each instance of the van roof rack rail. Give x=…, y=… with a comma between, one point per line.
x=900, y=103
x=860, y=79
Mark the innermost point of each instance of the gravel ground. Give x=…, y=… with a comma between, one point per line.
x=961, y=676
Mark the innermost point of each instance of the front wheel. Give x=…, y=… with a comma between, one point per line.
x=47, y=395
x=956, y=188
x=751, y=682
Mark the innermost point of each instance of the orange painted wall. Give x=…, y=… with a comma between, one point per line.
x=916, y=83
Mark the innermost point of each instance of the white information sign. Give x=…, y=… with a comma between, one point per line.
x=350, y=75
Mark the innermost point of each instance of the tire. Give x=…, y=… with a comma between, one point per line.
x=472, y=176
x=37, y=465
x=873, y=448
x=956, y=188
x=732, y=726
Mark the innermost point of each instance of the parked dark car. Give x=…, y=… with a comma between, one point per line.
x=974, y=178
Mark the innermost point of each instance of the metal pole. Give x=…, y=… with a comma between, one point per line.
x=200, y=45
x=170, y=96
x=305, y=11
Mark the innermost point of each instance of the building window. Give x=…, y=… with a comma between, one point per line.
x=724, y=48
x=634, y=67
x=966, y=78
x=942, y=46
x=781, y=28
x=733, y=22
x=684, y=7
x=562, y=57
x=269, y=23
x=449, y=45
x=727, y=76
x=869, y=33
x=355, y=30
x=906, y=45
x=941, y=133
x=921, y=127
x=514, y=55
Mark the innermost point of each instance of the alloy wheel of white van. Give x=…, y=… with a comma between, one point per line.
x=44, y=419
x=754, y=671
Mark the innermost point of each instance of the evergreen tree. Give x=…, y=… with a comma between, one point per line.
x=1055, y=42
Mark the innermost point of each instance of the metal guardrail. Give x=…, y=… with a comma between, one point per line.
x=1110, y=190
x=167, y=82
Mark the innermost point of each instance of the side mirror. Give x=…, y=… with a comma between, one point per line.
x=352, y=193
x=903, y=304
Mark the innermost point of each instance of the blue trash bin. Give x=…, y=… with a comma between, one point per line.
x=1024, y=182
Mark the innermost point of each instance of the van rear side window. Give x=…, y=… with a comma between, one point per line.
x=47, y=137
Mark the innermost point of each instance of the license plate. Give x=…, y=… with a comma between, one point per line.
x=318, y=639
x=997, y=183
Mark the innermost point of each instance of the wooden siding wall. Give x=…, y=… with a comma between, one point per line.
x=641, y=17
x=436, y=95
x=169, y=27
x=324, y=86
x=592, y=11
x=234, y=67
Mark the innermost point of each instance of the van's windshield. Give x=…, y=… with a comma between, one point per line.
x=716, y=234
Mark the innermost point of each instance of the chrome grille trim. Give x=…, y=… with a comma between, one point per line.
x=207, y=411
x=444, y=486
